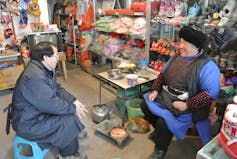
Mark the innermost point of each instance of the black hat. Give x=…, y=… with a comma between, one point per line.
x=195, y=37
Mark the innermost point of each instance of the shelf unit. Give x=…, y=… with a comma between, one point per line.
x=135, y=14
x=69, y=41
x=9, y=56
x=163, y=30
x=170, y=31
x=54, y=36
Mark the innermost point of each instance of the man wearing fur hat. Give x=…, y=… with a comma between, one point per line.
x=182, y=93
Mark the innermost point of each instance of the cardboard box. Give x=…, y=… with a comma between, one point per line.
x=9, y=76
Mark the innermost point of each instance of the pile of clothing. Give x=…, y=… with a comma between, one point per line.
x=124, y=25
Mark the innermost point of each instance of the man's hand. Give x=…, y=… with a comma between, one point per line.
x=152, y=96
x=182, y=106
x=81, y=109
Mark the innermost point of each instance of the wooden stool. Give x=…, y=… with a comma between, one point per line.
x=62, y=62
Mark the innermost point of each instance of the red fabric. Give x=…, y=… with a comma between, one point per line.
x=85, y=56
x=140, y=44
x=88, y=19
x=116, y=35
x=139, y=7
x=73, y=10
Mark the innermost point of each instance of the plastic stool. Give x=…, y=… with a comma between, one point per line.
x=20, y=143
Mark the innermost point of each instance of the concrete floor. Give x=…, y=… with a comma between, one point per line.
x=86, y=89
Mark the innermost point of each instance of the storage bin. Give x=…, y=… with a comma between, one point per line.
x=120, y=102
x=134, y=108
x=9, y=76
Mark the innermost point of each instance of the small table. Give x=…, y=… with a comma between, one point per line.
x=10, y=56
x=110, y=84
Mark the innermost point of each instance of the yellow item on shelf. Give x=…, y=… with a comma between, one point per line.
x=33, y=8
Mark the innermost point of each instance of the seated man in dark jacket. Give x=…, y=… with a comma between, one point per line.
x=42, y=110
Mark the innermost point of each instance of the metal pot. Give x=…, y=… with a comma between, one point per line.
x=114, y=74
x=100, y=113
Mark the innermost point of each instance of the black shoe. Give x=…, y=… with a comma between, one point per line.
x=152, y=135
x=157, y=154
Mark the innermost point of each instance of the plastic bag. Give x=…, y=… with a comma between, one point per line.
x=85, y=56
x=88, y=19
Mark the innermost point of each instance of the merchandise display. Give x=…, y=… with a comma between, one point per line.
x=133, y=42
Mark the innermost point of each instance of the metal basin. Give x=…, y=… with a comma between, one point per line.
x=114, y=74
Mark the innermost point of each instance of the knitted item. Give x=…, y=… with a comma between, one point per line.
x=158, y=83
x=195, y=37
x=198, y=101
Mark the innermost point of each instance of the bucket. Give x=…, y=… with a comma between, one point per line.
x=130, y=92
x=132, y=79
x=134, y=108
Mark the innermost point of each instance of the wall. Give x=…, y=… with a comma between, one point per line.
x=20, y=32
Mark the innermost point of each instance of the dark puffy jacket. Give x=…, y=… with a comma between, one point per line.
x=42, y=110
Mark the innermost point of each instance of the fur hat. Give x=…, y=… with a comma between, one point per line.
x=195, y=37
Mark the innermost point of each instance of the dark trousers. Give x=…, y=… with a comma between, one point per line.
x=70, y=149
x=163, y=135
